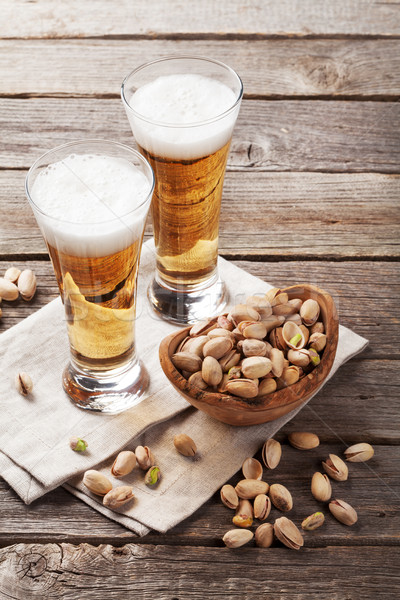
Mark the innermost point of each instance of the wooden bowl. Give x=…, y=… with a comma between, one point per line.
x=237, y=411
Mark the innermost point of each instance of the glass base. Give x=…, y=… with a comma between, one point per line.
x=187, y=307
x=113, y=393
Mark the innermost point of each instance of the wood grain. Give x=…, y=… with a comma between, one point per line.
x=269, y=136
x=290, y=215
x=62, y=570
x=262, y=17
x=271, y=68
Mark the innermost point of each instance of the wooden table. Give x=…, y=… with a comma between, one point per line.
x=311, y=194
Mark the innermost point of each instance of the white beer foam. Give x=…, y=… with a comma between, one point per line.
x=88, y=202
x=178, y=100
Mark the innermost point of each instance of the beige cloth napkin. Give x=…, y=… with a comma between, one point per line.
x=34, y=452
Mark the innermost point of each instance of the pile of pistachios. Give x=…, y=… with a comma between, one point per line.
x=264, y=345
x=17, y=283
x=252, y=498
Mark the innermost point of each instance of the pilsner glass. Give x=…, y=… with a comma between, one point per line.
x=90, y=199
x=182, y=111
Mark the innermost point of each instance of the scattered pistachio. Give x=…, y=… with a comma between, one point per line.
x=96, y=482
x=244, y=514
x=229, y=496
x=321, y=487
x=262, y=506
x=250, y=488
x=27, y=284
x=303, y=440
x=237, y=537
x=313, y=521
x=123, y=464
x=336, y=468
x=271, y=453
x=23, y=383
x=77, y=444
x=281, y=498
x=12, y=274
x=264, y=535
x=252, y=469
x=8, y=290
x=144, y=457
x=118, y=497
x=359, y=453
x=152, y=476
x=185, y=445
x=287, y=533
x=343, y=512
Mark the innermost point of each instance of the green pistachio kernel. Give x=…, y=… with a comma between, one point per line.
x=314, y=356
x=295, y=340
x=152, y=476
x=77, y=444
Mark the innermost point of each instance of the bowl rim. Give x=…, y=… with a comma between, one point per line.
x=286, y=396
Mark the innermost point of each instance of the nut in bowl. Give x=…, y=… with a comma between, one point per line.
x=273, y=386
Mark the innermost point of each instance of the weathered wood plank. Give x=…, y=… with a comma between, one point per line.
x=373, y=489
x=285, y=214
x=366, y=295
x=269, y=136
x=62, y=570
x=262, y=17
x=271, y=68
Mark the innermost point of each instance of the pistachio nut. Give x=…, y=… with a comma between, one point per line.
x=290, y=375
x=266, y=386
x=284, y=309
x=12, y=274
x=244, y=388
x=296, y=318
x=221, y=332
x=144, y=457
x=270, y=295
x=276, y=339
x=252, y=469
x=321, y=487
x=242, y=312
x=273, y=321
x=77, y=444
x=254, y=348
x=279, y=298
x=229, y=360
x=237, y=537
x=185, y=445
x=314, y=357
x=343, y=512
x=303, y=440
x=224, y=323
x=359, y=452
x=305, y=332
x=152, y=476
x=296, y=303
x=96, y=482
x=193, y=345
x=293, y=335
x=313, y=521
x=318, y=327
x=202, y=327
x=197, y=380
x=264, y=535
x=256, y=331
x=27, y=284
x=277, y=359
x=262, y=507
x=280, y=496
x=229, y=496
x=217, y=347
x=250, y=488
x=118, y=496
x=8, y=290
x=211, y=371
x=186, y=361
x=234, y=373
x=255, y=367
x=23, y=383
x=336, y=468
x=271, y=453
x=221, y=387
x=260, y=304
x=244, y=514
x=287, y=533
x=238, y=334
x=309, y=312
x=299, y=358
x=124, y=463
x=317, y=341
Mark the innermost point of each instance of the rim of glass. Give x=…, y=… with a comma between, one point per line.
x=80, y=143
x=183, y=57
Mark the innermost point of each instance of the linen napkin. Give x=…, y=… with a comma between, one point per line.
x=34, y=431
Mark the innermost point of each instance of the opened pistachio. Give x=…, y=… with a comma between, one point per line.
x=262, y=506
x=343, y=512
x=244, y=388
x=303, y=440
x=77, y=444
x=12, y=274
x=187, y=361
x=123, y=464
x=280, y=496
x=229, y=496
x=118, y=496
x=264, y=535
x=8, y=290
x=271, y=453
x=152, y=476
x=250, y=488
x=211, y=371
x=27, y=284
x=237, y=537
x=242, y=312
x=255, y=367
x=336, y=468
x=320, y=487
x=309, y=312
x=23, y=383
x=185, y=445
x=144, y=457
x=287, y=533
x=359, y=453
x=313, y=521
x=244, y=514
x=252, y=469
x=96, y=482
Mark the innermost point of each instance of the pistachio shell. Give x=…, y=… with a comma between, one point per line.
x=229, y=360
x=123, y=464
x=186, y=361
x=296, y=318
x=300, y=358
x=296, y=302
x=185, y=445
x=250, y=488
x=264, y=535
x=284, y=309
x=278, y=361
x=272, y=293
x=313, y=521
x=152, y=476
x=261, y=305
x=309, y=312
x=318, y=327
x=197, y=380
x=224, y=323
x=244, y=388
x=23, y=383
x=271, y=453
x=266, y=386
x=118, y=496
x=256, y=331
x=202, y=327
x=317, y=341
x=359, y=452
x=96, y=482
x=229, y=496
x=8, y=290
x=306, y=332
x=252, y=469
x=12, y=274
x=262, y=507
x=242, y=312
x=221, y=332
x=343, y=512
x=27, y=284
x=280, y=298
x=254, y=348
x=194, y=345
x=287, y=533
x=293, y=335
x=273, y=321
x=217, y=347
x=211, y=371
x=321, y=487
x=303, y=440
x=244, y=514
x=276, y=339
x=336, y=468
x=144, y=457
x=281, y=498
x=237, y=537
x=290, y=375
x=255, y=367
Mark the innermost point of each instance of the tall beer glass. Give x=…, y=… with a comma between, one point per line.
x=182, y=111
x=91, y=199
